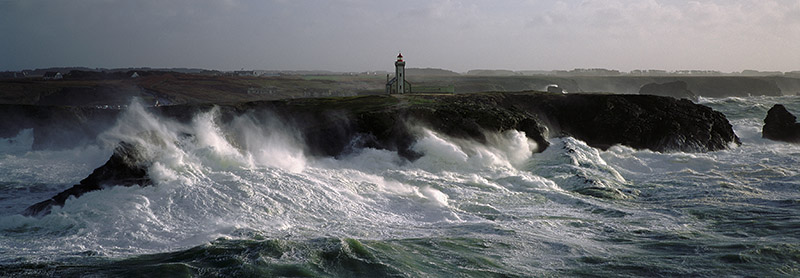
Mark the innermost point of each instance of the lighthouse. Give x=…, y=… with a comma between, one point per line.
x=398, y=84
x=400, y=73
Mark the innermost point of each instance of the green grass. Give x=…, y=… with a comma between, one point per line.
x=323, y=77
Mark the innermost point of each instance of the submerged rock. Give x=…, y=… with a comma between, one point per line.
x=125, y=167
x=780, y=125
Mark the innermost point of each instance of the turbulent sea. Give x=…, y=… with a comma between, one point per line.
x=245, y=200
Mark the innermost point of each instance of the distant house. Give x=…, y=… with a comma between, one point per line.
x=555, y=89
x=53, y=75
x=245, y=73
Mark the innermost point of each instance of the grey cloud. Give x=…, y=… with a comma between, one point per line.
x=361, y=34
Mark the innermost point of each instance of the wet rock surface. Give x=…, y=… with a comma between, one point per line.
x=781, y=125
x=126, y=167
x=639, y=121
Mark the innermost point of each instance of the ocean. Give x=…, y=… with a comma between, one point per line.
x=245, y=200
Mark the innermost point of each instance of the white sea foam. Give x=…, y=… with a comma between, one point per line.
x=270, y=143
x=573, y=165
x=505, y=151
x=252, y=174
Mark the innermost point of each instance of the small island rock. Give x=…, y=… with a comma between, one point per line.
x=780, y=125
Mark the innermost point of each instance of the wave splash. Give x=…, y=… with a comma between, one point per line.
x=247, y=191
x=212, y=178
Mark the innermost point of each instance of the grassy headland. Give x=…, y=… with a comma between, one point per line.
x=169, y=88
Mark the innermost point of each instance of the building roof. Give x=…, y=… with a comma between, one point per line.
x=51, y=74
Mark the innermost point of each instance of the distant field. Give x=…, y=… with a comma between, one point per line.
x=178, y=88
x=183, y=88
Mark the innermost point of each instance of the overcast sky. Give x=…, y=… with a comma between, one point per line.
x=363, y=35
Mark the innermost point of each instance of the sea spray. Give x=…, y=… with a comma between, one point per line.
x=269, y=142
x=17, y=144
x=242, y=196
x=507, y=150
x=254, y=170
x=574, y=166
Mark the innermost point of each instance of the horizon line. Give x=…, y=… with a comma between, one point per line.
x=573, y=70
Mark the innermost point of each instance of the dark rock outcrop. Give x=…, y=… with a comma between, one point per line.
x=333, y=128
x=126, y=167
x=729, y=86
x=56, y=127
x=676, y=89
x=338, y=126
x=780, y=125
x=639, y=121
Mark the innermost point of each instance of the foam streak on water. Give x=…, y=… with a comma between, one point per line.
x=248, y=193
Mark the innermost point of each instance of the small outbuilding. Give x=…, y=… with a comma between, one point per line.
x=53, y=75
x=245, y=73
x=555, y=89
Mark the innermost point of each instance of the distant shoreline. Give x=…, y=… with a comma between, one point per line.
x=92, y=88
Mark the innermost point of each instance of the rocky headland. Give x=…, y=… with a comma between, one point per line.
x=336, y=126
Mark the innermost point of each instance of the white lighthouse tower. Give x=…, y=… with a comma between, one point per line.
x=400, y=73
x=398, y=84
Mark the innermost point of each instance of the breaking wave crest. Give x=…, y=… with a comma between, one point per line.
x=244, y=195
x=252, y=173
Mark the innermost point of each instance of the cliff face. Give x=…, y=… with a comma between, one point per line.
x=733, y=86
x=55, y=127
x=337, y=126
x=676, y=89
